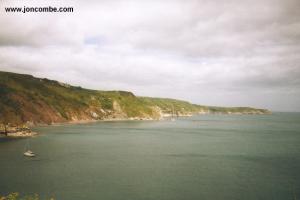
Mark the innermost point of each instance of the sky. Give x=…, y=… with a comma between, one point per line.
x=210, y=52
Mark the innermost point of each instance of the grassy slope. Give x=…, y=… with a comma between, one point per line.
x=167, y=105
x=26, y=98
x=171, y=105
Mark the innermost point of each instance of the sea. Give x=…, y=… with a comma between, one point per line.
x=204, y=157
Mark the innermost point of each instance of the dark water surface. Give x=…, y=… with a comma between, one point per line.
x=208, y=157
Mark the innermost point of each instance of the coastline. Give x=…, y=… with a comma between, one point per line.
x=94, y=121
x=164, y=116
x=15, y=132
x=21, y=134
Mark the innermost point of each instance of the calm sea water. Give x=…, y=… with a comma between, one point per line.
x=208, y=157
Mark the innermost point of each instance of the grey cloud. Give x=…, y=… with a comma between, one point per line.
x=215, y=52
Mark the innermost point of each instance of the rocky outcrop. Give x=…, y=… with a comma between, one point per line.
x=16, y=131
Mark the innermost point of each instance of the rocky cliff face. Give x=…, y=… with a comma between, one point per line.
x=26, y=99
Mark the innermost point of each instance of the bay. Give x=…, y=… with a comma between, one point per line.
x=202, y=157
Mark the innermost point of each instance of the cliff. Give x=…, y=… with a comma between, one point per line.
x=26, y=99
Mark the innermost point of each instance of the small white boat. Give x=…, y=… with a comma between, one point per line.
x=29, y=153
x=173, y=114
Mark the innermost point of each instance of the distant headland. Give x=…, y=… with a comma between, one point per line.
x=26, y=101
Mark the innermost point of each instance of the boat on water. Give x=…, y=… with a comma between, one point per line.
x=173, y=114
x=29, y=153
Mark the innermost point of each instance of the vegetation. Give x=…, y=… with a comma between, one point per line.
x=16, y=196
x=171, y=105
x=25, y=98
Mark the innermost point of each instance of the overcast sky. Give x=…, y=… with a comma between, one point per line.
x=213, y=52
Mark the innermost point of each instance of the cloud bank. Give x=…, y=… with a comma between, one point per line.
x=229, y=53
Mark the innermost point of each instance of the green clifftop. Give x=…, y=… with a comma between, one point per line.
x=26, y=99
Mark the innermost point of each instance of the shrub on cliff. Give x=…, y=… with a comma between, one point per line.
x=16, y=196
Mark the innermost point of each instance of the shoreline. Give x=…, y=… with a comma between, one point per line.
x=93, y=121
x=21, y=134
x=29, y=133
